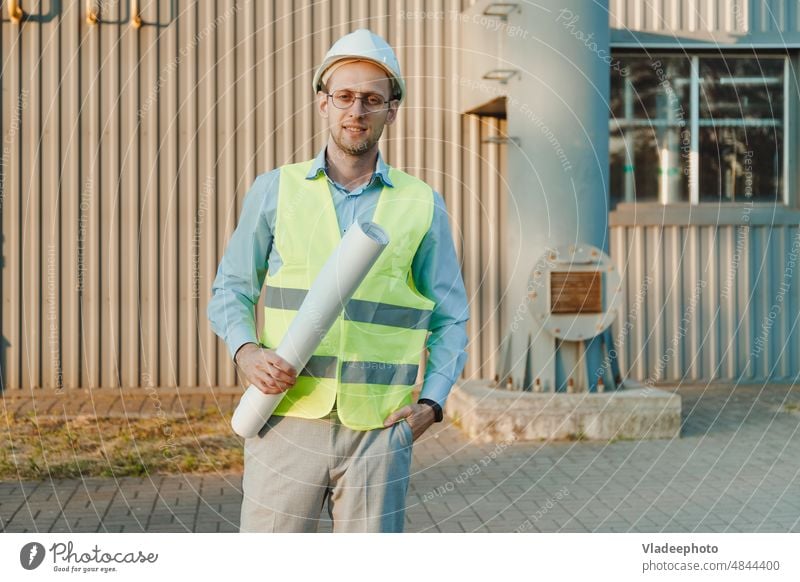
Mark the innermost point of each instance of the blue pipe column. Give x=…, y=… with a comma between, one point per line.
x=557, y=108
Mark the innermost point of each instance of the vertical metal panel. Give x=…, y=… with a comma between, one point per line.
x=485, y=270
x=472, y=263
x=792, y=345
x=68, y=96
x=148, y=192
x=744, y=310
x=89, y=59
x=778, y=253
x=31, y=211
x=207, y=184
x=380, y=23
x=228, y=199
x=501, y=240
x=671, y=296
x=636, y=273
x=654, y=252
x=107, y=159
x=415, y=77
x=187, y=195
x=762, y=293
x=284, y=83
x=491, y=290
x=166, y=184
x=453, y=190
x=10, y=99
x=727, y=258
x=710, y=308
x=129, y=207
x=435, y=114
x=398, y=130
x=49, y=152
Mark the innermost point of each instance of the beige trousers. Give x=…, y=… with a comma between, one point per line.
x=295, y=465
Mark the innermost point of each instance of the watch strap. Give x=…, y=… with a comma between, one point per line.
x=439, y=414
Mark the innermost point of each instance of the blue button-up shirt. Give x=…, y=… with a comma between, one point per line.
x=435, y=269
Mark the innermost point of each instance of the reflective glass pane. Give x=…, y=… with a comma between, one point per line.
x=646, y=163
x=741, y=87
x=649, y=129
x=740, y=164
x=740, y=140
x=650, y=89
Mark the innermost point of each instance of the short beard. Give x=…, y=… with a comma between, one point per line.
x=355, y=149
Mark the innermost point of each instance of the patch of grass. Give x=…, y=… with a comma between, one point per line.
x=577, y=436
x=6, y=464
x=792, y=407
x=89, y=446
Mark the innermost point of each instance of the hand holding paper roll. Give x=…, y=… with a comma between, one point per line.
x=335, y=284
x=264, y=368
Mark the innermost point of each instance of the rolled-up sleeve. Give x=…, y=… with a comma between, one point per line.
x=240, y=275
x=437, y=275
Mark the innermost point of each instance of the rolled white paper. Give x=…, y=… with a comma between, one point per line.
x=333, y=287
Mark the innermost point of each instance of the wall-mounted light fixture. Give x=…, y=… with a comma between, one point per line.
x=501, y=10
x=501, y=139
x=502, y=75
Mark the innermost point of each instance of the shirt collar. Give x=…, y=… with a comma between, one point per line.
x=319, y=165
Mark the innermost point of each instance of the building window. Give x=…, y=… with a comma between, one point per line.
x=698, y=129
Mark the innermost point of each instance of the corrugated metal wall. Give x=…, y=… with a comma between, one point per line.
x=683, y=15
x=775, y=22
x=127, y=154
x=706, y=302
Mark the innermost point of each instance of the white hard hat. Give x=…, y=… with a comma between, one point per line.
x=363, y=44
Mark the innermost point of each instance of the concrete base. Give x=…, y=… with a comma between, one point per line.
x=489, y=414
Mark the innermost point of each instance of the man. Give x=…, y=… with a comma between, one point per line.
x=344, y=430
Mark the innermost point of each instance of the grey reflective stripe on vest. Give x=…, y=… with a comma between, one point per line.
x=361, y=372
x=284, y=297
x=378, y=373
x=320, y=367
x=356, y=309
x=386, y=314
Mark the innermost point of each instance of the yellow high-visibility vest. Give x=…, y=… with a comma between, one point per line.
x=369, y=360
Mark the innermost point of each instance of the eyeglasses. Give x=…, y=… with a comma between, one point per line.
x=344, y=99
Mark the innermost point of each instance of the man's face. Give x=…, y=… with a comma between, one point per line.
x=355, y=130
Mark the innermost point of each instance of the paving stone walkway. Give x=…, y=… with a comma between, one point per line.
x=736, y=468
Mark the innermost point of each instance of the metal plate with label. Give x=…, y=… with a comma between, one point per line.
x=576, y=292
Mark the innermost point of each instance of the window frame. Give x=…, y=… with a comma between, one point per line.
x=694, y=57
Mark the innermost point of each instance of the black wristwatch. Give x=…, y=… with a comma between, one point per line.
x=436, y=408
